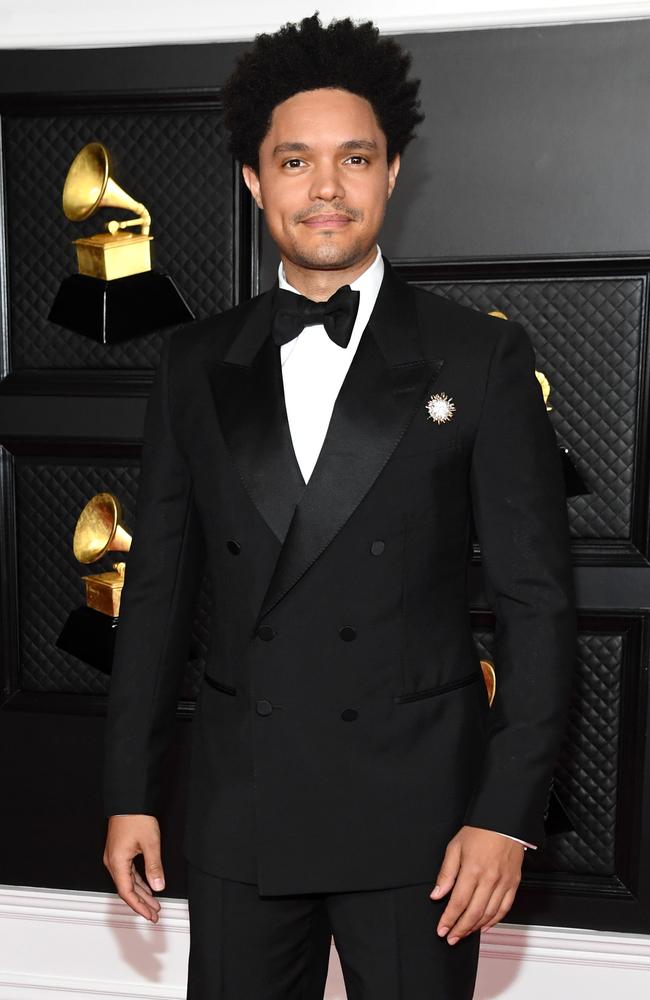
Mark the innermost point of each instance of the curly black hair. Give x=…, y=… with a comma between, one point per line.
x=308, y=56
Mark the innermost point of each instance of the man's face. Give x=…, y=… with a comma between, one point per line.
x=323, y=180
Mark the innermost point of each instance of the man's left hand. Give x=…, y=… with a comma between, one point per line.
x=486, y=869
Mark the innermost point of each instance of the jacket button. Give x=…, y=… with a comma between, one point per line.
x=266, y=632
x=234, y=546
x=349, y=714
x=377, y=547
x=263, y=707
x=348, y=633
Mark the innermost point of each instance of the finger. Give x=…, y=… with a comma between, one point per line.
x=492, y=907
x=505, y=906
x=154, y=914
x=143, y=887
x=474, y=911
x=143, y=890
x=448, y=871
x=124, y=883
x=458, y=901
x=121, y=870
x=153, y=865
x=146, y=900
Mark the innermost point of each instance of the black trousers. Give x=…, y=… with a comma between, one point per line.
x=244, y=946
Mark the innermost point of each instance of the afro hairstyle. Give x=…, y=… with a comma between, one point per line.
x=308, y=56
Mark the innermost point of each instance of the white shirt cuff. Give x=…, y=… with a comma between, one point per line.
x=518, y=839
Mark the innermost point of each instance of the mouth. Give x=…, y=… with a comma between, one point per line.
x=332, y=221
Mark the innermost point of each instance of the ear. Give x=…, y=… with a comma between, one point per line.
x=393, y=170
x=252, y=182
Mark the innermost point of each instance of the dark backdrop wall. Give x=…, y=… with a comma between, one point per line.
x=532, y=162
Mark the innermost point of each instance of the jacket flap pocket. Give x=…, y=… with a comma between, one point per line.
x=219, y=685
x=439, y=689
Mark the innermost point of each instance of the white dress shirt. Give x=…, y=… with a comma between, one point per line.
x=313, y=371
x=314, y=367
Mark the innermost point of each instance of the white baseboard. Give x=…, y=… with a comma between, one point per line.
x=90, y=946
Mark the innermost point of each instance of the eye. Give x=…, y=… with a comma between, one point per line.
x=357, y=159
x=294, y=162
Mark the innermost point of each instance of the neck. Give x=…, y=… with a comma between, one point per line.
x=321, y=285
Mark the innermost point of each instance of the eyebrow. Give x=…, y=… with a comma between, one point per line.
x=302, y=147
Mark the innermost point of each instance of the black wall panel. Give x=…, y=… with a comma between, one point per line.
x=588, y=323
x=177, y=155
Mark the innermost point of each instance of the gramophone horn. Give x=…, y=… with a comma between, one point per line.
x=100, y=529
x=490, y=678
x=89, y=186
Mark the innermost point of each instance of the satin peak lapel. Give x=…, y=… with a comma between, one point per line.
x=386, y=382
x=249, y=399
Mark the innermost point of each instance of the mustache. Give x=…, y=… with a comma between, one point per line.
x=353, y=213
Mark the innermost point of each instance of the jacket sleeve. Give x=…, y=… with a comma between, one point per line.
x=164, y=568
x=519, y=504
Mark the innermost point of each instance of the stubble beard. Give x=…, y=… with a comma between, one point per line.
x=327, y=256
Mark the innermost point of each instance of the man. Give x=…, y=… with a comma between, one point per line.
x=324, y=446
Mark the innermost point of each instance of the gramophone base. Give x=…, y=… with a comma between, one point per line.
x=111, y=311
x=90, y=636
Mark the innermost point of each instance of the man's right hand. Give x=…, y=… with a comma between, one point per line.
x=128, y=836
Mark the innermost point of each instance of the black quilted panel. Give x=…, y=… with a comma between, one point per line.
x=586, y=772
x=49, y=498
x=587, y=335
x=175, y=162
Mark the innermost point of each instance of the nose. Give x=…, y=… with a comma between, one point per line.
x=326, y=183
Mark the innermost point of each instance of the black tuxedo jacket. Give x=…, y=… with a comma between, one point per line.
x=342, y=732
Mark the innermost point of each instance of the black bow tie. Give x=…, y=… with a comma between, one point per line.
x=292, y=313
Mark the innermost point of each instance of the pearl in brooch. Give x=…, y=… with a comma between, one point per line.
x=441, y=408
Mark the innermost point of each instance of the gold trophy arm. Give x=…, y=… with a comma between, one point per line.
x=144, y=220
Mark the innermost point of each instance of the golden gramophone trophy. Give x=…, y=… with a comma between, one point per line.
x=89, y=632
x=574, y=484
x=116, y=294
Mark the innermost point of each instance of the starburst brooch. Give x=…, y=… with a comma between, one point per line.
x=440, y=408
